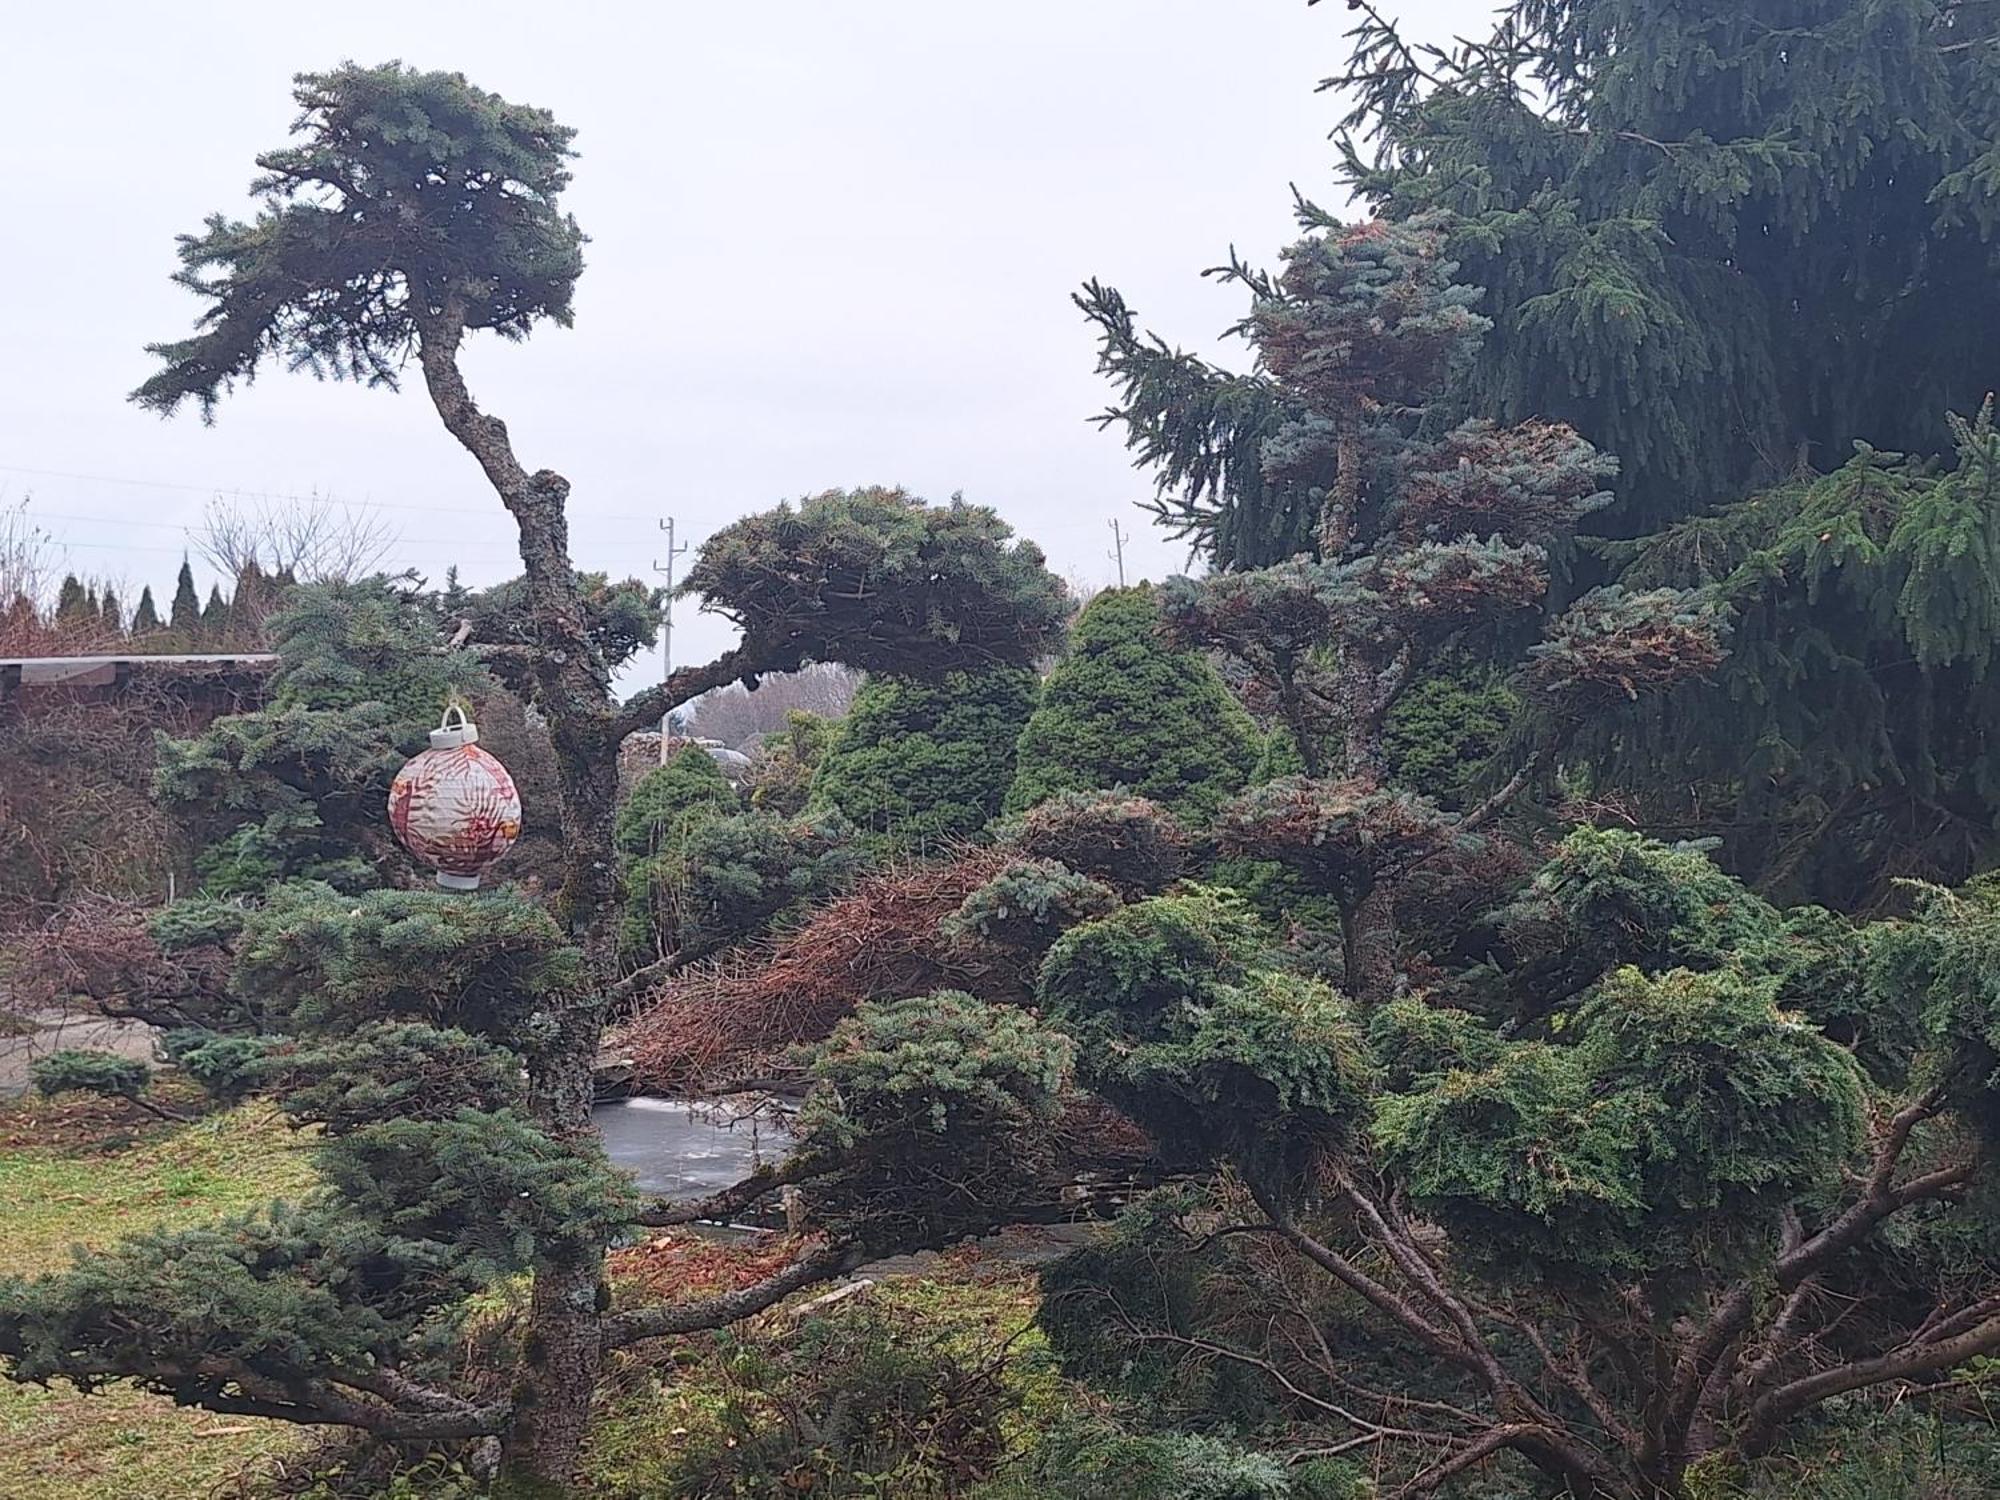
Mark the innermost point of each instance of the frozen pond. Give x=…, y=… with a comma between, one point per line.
x=682, y=1150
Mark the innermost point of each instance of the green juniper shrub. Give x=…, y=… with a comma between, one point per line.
x=1128, y=710
x=1027, y=906
x=1947, y=961
x=1660, y=1136
x=746, y=872
x=1122, y=975
x=917, y=763
x=931, y=1117
x=1608, y=896
x=1414, y=1038
x=80, y=1071
x=1214, y=1057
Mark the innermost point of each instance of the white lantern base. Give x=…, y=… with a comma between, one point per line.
x=453, y=882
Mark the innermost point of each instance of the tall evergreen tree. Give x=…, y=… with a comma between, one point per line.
x=73, y=607
x=185, y=617
x=1718, y=238
x=1126, y=708
x=1853, y=737
x=916, y=764
x=110, y=614
x=1715, y=237
x=146, y=617
x=215, y=616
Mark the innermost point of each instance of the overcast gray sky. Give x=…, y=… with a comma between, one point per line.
x=832, y=244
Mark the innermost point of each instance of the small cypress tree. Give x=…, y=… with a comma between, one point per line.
x=110, y=614
x=916, y=763
x=186, y=615
x=1126, y=709
x=146, y=618
x=215, y=615
x=73, y=603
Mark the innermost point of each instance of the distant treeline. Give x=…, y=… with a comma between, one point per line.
x=88, y=616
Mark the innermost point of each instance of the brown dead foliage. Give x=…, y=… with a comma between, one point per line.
x=100, y=948
x=735, y=1018
x=683, y=1264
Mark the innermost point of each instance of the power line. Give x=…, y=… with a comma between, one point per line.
x=236, y=493
x=192, y=526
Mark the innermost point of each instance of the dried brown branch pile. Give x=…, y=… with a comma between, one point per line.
x=735, y=1018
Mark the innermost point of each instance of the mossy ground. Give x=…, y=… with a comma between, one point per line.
x=85, y=1174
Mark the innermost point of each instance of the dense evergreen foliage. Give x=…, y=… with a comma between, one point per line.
x=1127, y=711
x=916, y=764
x=1497, y=1144
x=409, y=210
x=1720, y=239
x=1847, y=740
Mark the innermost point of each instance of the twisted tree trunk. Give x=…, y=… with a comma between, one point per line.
x=572, y=689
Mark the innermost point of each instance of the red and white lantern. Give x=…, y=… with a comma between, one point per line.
x=454, y=806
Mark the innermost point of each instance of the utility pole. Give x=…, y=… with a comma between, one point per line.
x=667, y=629
x=1117, y=552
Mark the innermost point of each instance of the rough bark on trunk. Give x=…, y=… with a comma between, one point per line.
x=572, y=690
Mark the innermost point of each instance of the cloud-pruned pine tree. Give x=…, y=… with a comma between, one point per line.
x=1429, y=539
x=1601, y=1242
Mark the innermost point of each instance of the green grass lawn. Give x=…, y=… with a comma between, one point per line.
x=124, y=1445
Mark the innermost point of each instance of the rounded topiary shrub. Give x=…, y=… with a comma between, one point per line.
x=916, y=764
x=1126, y=709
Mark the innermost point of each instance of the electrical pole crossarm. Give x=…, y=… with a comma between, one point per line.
x=667, y=629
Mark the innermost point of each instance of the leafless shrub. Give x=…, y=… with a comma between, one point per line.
x=311, y=540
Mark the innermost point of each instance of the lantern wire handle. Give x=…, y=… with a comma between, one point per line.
x=451, y=708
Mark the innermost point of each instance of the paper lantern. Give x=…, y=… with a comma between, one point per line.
x=454, y=806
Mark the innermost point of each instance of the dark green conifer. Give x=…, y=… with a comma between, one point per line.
x=916, y=764
x=145, y=618
x=1717, y=238
x=73, y=606
x=185, y=617
x=1128, y=709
